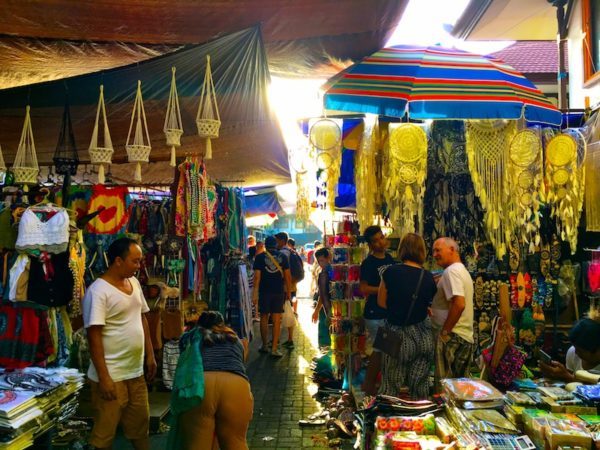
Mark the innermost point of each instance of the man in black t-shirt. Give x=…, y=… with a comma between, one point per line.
x=370, y=278
x=272, y=284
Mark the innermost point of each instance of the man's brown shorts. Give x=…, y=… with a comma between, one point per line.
x=130, y=409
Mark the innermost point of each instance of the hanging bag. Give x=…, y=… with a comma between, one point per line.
x=288, y=319
x=389, y=341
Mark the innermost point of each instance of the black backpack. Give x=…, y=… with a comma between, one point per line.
x=296, y=267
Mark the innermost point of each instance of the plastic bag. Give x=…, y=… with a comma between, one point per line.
x=288, y=319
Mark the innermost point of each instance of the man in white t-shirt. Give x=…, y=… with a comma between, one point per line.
x=452, y=312
x=119, y=341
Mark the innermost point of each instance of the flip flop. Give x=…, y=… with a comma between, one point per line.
x=311, y=422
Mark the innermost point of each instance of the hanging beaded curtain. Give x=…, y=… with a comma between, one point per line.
x=301, y=162
x=325, y=135
x=365, y=173
x=138, y=151
x=524, y=186
x=565, y=181
x=208, y=120
x=488, y=144
x=26, y=167
x=406, y=168
x=101, y=153
x=452, y=208
x=173, y=127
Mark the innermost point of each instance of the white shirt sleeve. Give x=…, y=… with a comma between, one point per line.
x=454, y=284
x=94, y=308
x=572, y=361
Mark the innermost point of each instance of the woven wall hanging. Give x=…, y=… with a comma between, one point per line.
x=404, y=186
x=26, y=167
x=300, y=162
x=524, y=186
x=138, y=149
x=565, y=182
x=592, y=189
x=208, y=120
x=488, y=145
x=365, y=174
x=173, y=127
x=101, y=151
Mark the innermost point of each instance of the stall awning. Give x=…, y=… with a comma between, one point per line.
x=250, y=148
x=267, y=203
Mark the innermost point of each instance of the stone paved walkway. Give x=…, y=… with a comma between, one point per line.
x=283, y=391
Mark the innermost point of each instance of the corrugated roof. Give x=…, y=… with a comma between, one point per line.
x=531, y=56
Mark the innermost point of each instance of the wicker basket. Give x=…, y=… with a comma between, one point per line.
x=173, y=137
x=101, y=155
x=138, y=153
x=25, y=175
x=208, y=128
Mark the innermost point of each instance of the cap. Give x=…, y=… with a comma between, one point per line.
x=270, y=242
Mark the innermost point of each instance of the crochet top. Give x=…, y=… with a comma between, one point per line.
x=51, y=236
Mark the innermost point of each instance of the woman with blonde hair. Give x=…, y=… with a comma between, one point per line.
x=226, y=409
x=406, y=292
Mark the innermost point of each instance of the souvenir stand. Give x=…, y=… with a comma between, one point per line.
x=347, y=303
x=510, y=192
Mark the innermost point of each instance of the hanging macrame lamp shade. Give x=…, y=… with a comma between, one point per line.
x=173, y=125
x=208, y=120
x=101, y=152
x=25, y=167
x=138, y=149
x=66, y=158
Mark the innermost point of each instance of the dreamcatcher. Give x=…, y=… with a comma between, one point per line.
x=139, y=150
x=173, y=127
x=301, y=162
x=565, y=180
x=365, y=173
x=101, y=154
x=524, y=185
x=325, y=136
x=488, y=145
x=26, y=167
x=208, y=120
x=406, y=170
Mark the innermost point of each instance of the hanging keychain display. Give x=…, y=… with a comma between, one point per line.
x=173, y=127
x=101, y=153
x=138, y=150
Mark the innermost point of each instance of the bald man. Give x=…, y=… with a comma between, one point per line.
x=452, y=310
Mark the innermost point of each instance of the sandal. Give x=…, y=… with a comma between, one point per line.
x=316, y=422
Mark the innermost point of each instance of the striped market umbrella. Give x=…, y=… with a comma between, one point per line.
x=437, y=83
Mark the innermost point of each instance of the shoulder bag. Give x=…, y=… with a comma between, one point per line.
x=389, y=341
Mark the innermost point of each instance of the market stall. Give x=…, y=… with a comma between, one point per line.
x=477, y=154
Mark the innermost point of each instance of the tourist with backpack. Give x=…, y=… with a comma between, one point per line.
x=297, y=273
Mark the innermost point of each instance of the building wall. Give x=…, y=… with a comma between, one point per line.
x=577, y=92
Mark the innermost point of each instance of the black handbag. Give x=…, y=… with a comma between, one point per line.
x=389, y=341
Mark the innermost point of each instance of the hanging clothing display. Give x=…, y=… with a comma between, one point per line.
x=44, y=228
x=452, y=208
x=113, y=203
x=8, y=231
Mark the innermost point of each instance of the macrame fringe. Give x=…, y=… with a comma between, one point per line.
x=138, y=172
x=208, y=153
x=101, y=176
x=173, y=162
